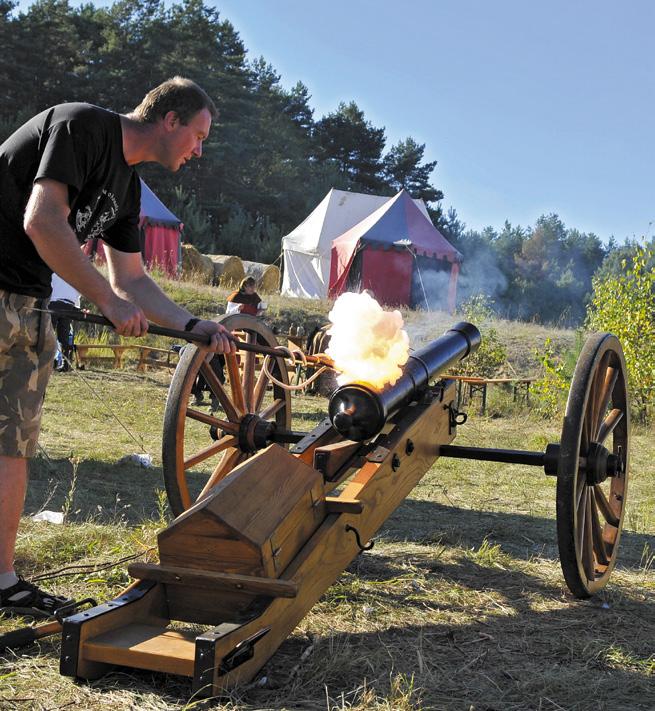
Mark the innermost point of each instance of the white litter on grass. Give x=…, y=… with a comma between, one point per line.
x=145, y=460
x=49, y=516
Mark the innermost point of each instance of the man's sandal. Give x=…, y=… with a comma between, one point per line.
x=25, y=598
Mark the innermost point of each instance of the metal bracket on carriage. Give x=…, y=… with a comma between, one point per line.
x=244, y=651
x=455, y=417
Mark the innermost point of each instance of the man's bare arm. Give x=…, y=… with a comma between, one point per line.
x=129, y=280
x=46, y=224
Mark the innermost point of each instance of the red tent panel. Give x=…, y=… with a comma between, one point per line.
x=161, y=248
x=388, y=274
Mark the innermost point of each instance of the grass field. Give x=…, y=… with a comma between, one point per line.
x=460, y=605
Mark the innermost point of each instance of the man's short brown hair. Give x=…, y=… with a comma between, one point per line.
x=178, y=94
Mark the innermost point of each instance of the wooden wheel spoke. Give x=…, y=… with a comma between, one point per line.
x=605, y=508
x=249, y=373
x=273, y=408
x=260, y=391
x=586, y=437
x=581, y=486
x=604, y=396
x=248, y=391
x=236, y=387
x=581, y=512
x=206, y=419
x=217, y=388
x=587, y=542
x=597, y=534
x=213, y=449
x=591, y=412
x=230, y=460
x=609, y=424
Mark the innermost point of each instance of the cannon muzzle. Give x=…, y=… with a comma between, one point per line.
x=359, y=411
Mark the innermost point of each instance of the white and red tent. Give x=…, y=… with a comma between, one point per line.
x=398, y=254
x=307, y=249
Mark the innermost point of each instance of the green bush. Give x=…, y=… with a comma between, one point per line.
x=492, y=355
x=197, y=223
x=624, y=304
x=551, y=389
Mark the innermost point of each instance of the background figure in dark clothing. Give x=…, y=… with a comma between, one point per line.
x=217, y=364
x=64, y=296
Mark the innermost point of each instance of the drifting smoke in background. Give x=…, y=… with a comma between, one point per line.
x=367, y=343
x=479, y=274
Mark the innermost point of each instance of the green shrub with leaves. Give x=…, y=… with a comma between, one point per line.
x=624, y=304
x=492, y=355
x=551, y=389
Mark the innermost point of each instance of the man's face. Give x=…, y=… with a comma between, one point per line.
x=184, y=142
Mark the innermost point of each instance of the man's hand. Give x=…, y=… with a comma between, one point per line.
x=221, y=338
x=128, y=319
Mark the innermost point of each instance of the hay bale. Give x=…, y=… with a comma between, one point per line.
x=266, y=275
x=228, y=270
x=195, y=266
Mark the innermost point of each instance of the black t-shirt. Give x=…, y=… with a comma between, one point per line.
x=81, y=146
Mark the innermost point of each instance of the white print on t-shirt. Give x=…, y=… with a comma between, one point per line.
x=82, y=217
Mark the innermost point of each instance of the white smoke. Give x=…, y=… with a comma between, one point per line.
x=367, y=343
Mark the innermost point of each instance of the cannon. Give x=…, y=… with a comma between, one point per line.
x=267, y=518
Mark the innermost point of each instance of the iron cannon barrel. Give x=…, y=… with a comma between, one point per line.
x=359, y=411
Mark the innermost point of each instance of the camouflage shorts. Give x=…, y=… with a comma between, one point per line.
x=25, y=367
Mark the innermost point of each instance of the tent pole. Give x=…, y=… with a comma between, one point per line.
x=420, y=278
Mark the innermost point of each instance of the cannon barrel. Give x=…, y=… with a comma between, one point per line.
x=359, y=411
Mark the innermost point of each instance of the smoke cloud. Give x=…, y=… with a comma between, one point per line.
x=367, y=343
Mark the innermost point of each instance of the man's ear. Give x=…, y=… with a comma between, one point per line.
x=171, y=120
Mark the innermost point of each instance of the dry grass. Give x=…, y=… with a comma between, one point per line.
x=461, y=604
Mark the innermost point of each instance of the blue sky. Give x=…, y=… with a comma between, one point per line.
x=528, y=107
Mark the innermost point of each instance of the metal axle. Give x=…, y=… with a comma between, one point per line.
x=598, y=464
x=547, y=460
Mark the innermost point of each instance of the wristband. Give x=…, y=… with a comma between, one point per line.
x=191, y=323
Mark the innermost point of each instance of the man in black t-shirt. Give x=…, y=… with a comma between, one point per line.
x=66, y=176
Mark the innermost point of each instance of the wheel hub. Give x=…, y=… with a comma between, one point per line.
x=254, y=433
x=601, y=464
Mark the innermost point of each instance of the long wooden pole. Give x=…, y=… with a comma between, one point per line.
x=200, y=339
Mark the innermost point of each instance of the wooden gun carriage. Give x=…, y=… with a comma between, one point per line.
x=278, y=515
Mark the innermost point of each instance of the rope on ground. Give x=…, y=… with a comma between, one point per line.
x=89, y=567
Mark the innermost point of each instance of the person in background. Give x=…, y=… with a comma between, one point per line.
x=246, y=300
x=64, y=296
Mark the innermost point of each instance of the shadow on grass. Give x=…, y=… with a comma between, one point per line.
x=128, y=493
x=519, y=535
x=105, y=492
x=508, y=642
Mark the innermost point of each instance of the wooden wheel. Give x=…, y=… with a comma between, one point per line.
x=202, y=446
x=592, y=474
